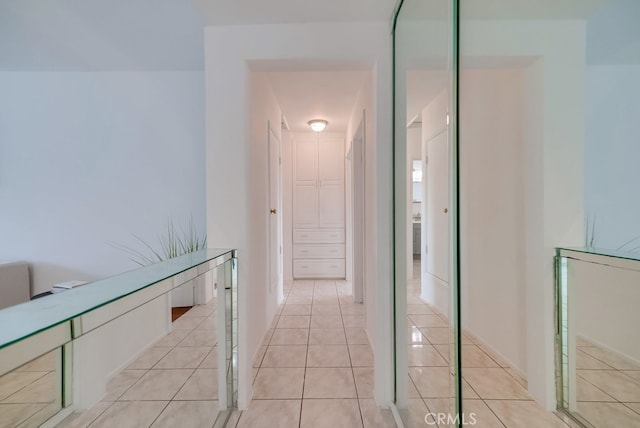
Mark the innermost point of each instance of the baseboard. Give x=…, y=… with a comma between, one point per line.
x=607, y=348
x=58, y=417
x=396, y=415
x=493, y=353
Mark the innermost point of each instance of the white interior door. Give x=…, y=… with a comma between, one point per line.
x=275, y=213
x=437, y=223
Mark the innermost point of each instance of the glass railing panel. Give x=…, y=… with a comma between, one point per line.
x=31, y=394
x=160, y=345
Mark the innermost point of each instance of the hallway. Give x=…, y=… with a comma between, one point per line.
x=315, y=368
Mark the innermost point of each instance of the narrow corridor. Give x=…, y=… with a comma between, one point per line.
x=316, y=366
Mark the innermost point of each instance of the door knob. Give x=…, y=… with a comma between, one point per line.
x=446, y=210
x=273, y=210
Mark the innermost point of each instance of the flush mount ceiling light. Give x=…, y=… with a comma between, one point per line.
x=318, y=125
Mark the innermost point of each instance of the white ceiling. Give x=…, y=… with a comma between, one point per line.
x=328, y=95
x=502, y=9
x=68, y=35
x=43, y=35
x=65, y=35
x=238, y=12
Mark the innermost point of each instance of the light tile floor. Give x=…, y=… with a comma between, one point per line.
x=493, y=392
x=315, y=368
x=174, y=383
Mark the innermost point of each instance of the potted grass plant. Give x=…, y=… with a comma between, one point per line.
x=173, y=243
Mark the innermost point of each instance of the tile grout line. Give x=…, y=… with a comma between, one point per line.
x=181, y=386
x=353, y=375
x=491, y=410
x=304, y=376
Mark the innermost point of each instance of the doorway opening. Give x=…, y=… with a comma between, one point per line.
x=315, y=221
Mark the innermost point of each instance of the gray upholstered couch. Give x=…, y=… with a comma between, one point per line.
x=14, y=283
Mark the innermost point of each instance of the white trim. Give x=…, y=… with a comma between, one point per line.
x=396, y=416
x=58, y=417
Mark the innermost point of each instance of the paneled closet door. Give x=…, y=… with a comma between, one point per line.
x=331, y=206
x=305, y=163
x=331, y=189
x=305, y=186
x=305, y=213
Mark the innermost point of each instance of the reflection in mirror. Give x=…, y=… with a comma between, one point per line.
x=548, y=125
x=32, y=393
x=599, y=294
x=176, y=378
x=425, y=367
x=497, y=119
x=600, y=354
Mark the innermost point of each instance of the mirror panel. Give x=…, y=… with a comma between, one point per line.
x=32, y=393
x=424, y=171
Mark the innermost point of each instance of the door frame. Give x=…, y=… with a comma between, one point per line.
x=358, y=220
x=274, y=166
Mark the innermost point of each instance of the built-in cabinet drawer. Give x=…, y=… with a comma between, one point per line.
x=318, y=236
x=318, y=268
x=326, y=251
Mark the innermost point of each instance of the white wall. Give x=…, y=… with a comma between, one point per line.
x=265, y=112
x=613, y=34
x=230, y=153
x=90, y=159
x=492, y=210
x=365, y=105
x=612, y=126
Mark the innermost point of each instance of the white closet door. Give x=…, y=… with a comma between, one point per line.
x=306, y=163
x=305, y=211
x=331, y=206
x=331, y=162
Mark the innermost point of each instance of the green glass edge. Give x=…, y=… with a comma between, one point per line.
x=453, y=116
x=394, y=317
x=627, y=255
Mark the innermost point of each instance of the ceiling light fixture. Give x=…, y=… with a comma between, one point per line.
x=318, y=125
